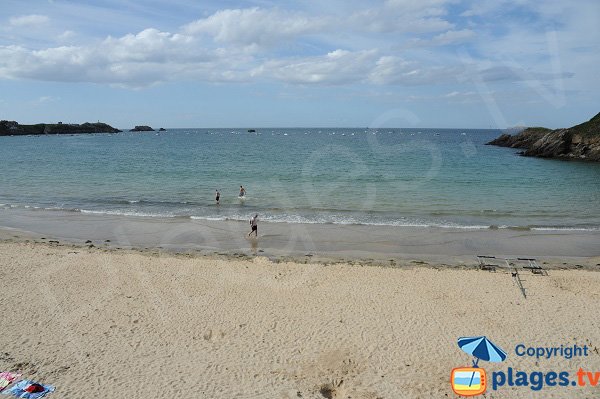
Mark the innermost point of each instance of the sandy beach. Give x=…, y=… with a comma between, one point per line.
x=423, y=178
x=106, y=323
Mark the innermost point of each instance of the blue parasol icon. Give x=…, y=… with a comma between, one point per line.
x=482, y=349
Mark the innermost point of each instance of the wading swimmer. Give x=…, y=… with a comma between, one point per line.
x=217, y=196
x=254, y=225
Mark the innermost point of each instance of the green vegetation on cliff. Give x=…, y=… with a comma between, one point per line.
x=590, y=128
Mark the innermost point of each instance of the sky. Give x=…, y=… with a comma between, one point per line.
x=334, y=63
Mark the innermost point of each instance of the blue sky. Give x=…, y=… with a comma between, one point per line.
x=394, y=63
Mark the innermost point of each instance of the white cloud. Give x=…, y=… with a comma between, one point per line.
x=515, y=73
x=255, y=26
x=404, y=16
x=28, y=20
x=464, y=96
x=453, y=36
x=152, y=45
x=152, y=56
x=484, y=7
x=395, y=70
x=419, y=8
x=390, y=69
x=334, y=68
x=442, y=39
x=148, y=57
x=66, y=35
x=237, y=44
x=45, y=99
x=349, y=67
x=246, y=45
x=379, y=21
x=452, y=97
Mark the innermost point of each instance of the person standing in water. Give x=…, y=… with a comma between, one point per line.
x=254, y=225
x=242, y=192
x=217, y=196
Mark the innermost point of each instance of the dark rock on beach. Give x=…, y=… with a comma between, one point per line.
x=12, y=128
x=142, y=128
x=578, y=142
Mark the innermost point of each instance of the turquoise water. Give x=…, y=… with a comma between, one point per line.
x=404, y=177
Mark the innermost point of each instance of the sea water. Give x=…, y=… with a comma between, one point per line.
x=400, y=177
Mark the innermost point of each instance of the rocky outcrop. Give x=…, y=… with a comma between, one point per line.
x=142, y=128
x=577, y=142
x=12, y=128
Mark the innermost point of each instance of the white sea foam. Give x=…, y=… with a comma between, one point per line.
x=317, y=218
x=127, y=213
x=298, y=219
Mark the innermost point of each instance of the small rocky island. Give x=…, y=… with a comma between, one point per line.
x=12, y=128
x=577, y=142
x=142, y=128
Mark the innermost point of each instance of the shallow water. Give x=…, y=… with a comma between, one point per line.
x=403, y=177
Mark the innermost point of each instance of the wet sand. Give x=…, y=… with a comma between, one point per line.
x=327, y=242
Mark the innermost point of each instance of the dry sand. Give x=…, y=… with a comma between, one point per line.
x=118, y=324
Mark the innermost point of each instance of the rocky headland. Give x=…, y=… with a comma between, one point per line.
x=12, y=128
x=142, y=128
x=578, y=142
